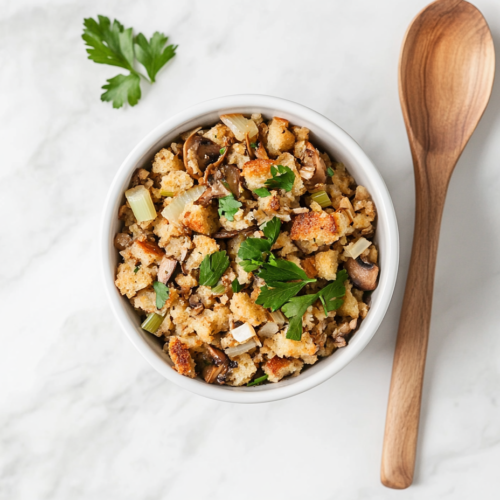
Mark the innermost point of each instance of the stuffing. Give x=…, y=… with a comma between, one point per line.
x=145, y=300
x=279, y=138
x=203, y=246
x=243, y=373
x=276, y=368
x=210, y=322
x=131, y=278
x=326, y=264
x=286, y=348
x=308, y=237
x=247, y=311
x=256, y=173
x=237, y=155
x=320, y=227
x=178, y=247
x=186, y=282
x=350, y=306
x=181, y=357
x=165, y=231
x=176, y=182
x=165, y=161
x=143, y=252
x=204, y=220
x=220, y=134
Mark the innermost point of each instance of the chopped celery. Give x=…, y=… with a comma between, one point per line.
x=219, y=289
x=322, y=199
x=141, y=203
x=168, y=194
x=152, y=323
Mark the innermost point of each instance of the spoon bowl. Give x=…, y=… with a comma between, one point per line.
x=446, y=73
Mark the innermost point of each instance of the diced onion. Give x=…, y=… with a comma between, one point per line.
x=268, y=330
x=354, y=250
x=240, y=349
x=240, y=126
x=141, y=203
x=218, y=290
x=278, y=317
x=322, y=199
x=243, y=332
x=152, y=323
x=173, y=211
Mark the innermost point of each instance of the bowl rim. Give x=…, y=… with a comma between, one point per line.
x=385, y=211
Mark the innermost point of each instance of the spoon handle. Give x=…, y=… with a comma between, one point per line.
x=403, y=412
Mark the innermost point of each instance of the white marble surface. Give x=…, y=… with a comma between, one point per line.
x=81, y=413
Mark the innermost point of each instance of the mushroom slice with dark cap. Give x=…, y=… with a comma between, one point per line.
x=363, y=274
x=261, y=152
x=249, y=147
x=199, y=152
x=230, y=234
x=195, y=304
x=216, y=190
x=166, y=269
x=313, y=170
x=216, y=372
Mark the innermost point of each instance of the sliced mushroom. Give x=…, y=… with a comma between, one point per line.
x=313, y=170
x=230, y=234
x=363, y=274
x=232, y=174
x=261, y=152
x=195, y=304
x=122, y=241
x=249, y=147
x=166, y=269
x=216, y=190
x=199, y=152
x=217, y=371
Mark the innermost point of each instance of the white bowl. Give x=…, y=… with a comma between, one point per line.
x=324, y=134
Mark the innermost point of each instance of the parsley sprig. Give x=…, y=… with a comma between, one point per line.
x=112, y=44
x=213, y=267
x=228, y=206
x=330, y=297
x=162, y=293
x=283, y=178
x=254, y=252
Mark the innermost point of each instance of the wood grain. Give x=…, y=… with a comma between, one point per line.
x=446, y=75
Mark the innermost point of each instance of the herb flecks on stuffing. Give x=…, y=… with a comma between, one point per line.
x=247, y=250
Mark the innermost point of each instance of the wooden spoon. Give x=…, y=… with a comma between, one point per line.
x=446, y=74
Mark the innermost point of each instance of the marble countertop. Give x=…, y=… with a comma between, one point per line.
x=82, y=415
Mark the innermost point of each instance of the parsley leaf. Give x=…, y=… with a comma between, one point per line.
x=121, y=89
x=212, y=268
x=136, y=270
x=271, y=229
x=162, y=293
x=283, y=270
x=258, y=381
x=228, y=206
x=253, y=145
x=250, y=265
x=331, y=293
x=330, y=171
x=222, y=151
x=112, y=44
x=153, y=55
x=254, y=248
x=283, y=178
x=109, y=43
x=262, y=192
x=274, y=298
x=297, y=306
x=235, y=285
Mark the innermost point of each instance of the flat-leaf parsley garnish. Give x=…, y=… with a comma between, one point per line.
x=212, y=268
x=262, y=192
x=283, y=178
x=228, y=206
x=112, y=44
x=162, y=293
